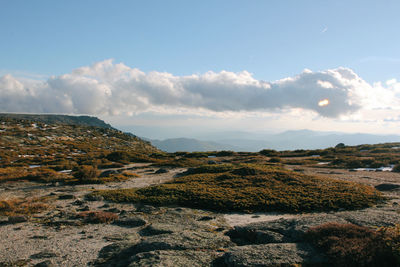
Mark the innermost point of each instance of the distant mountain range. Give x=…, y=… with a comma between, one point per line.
x=235, y=140
x=289, y=140
x=189, y=145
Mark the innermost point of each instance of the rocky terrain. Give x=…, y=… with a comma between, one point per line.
x=59, y=223
x=144, y=235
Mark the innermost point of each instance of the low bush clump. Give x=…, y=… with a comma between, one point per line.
x=97, y=216
x=251, y=188
x=352, y=245
x=269, y=152
x=274, y=160
x=85, y=172
x=45, y=175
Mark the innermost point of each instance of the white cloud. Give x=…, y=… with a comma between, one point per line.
x=106, y=88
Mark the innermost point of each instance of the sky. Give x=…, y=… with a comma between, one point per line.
x=176, y=66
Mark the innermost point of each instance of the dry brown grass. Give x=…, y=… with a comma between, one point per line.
x=17, y=206
x=352, y=245
x=41, y=174
x=97, y=216
x=130, y=174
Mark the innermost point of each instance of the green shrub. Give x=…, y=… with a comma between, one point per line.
x=340, y=145
x=274, y=160
x=119, y=156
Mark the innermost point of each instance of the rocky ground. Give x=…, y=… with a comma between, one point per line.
x=143, y=235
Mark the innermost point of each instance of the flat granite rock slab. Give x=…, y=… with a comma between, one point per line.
x=279, y=254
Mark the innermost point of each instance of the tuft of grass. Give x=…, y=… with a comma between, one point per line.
x=352, y=245
x=251, y=188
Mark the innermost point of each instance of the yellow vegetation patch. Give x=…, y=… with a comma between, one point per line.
x=251, y=188
x=17, y=206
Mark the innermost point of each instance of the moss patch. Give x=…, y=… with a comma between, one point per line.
x=251, y=188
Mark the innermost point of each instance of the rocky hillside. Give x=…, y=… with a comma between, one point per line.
x=58, y=119
x=37, y=147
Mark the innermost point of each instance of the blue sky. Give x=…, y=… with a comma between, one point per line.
x=271, y=40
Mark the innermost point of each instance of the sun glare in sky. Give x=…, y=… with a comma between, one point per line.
x=323, y=102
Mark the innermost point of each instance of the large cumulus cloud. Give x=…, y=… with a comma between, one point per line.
x=109, y=88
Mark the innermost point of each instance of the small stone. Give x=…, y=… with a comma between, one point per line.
x=386, y=187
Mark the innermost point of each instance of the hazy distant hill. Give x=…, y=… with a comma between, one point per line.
x=289, y=140
x=59, y=119
x=306, y=139
x=190, y=145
